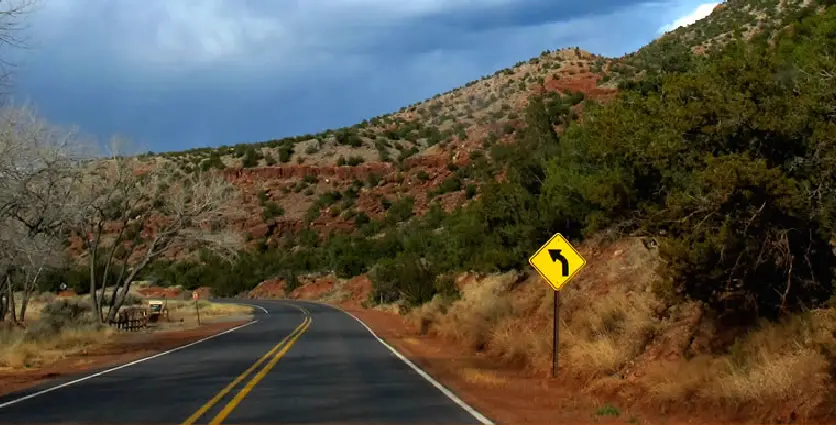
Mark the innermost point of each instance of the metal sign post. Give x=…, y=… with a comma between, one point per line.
x=558, y=262
x=196, y=298
x=556, y=334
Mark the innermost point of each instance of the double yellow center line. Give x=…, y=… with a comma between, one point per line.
x=277, y=352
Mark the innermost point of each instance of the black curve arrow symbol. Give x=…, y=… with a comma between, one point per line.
x=557, y=256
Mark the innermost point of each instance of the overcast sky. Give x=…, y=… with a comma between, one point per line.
x=177, y=74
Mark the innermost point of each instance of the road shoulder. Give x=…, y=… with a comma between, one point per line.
x=502, y=393
x=124, y=348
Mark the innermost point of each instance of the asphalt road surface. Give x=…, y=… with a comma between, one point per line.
x=297, y=363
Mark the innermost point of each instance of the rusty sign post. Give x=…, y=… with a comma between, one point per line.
x=558, y=262
x=556, y=332
x=196, y=298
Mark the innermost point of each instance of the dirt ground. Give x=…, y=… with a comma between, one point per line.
x=124, y=348
x=508, y=395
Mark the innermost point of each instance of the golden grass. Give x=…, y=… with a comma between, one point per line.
x=771, y=378
x=481, y=376
x=38, y=302
x=33, y=310
x=471, y=319
x=522, y=344
x=615, y=328
x=19, y=351
x=611, y=330
x=680, y=379
x=778, y=363
x=38, y=347
x=186, y=309
x=412, y=341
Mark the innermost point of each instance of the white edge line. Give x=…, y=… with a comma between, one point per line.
x=75, y=381
x=438, y=385
x=252, y=305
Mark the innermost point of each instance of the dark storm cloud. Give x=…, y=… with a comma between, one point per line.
x=180, y=74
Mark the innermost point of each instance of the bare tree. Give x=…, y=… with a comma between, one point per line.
x=130, y=212
x=37, y=174
x=12, y=26
x=26, y=257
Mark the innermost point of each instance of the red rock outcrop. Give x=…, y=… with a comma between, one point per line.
x=586, y=83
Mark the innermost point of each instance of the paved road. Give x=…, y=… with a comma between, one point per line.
x=298, y=363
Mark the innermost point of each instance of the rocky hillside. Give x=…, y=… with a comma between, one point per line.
x=568, y=141
x=715, y=145
x=341, y=179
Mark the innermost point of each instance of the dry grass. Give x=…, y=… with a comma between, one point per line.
x=35, y=305
x=612, y=330
x=779, y=363
x=186, y=310
x=471, y=319
x=21, y=349
x=770, y=378
x=615, y=332
x=39, y=346
x=38, y=302
x=480, y=376
x=676, y=380
x=336, y=294
x=521, y=344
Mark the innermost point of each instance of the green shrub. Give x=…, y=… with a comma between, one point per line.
x=62, y=314
x=285, y=152
x=373, y=179
x=251, y=158
x=271, y=210
x=269, y=160
x=329, y=198
x=361, y=219
x=470, y=191
x=450, y=184
x=312, y=213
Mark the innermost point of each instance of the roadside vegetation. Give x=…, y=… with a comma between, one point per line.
x=64, y=328
x=727, y=165
x=725, y=162
x=58, y=328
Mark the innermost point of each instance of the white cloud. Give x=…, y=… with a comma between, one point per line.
x=700, y=12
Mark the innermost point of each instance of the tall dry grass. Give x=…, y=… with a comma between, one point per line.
x=186, y=310
x=20, y=350
x=64, y=328
x=612, y=326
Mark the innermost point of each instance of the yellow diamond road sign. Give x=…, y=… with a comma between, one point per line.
x=557, y=261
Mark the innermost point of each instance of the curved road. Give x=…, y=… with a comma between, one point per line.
x=297, y=363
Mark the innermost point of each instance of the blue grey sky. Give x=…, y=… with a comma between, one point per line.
x=178, y=74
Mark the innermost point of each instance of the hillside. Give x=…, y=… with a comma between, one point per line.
x=697, y=174
x=408, y=153
x=436, y=156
